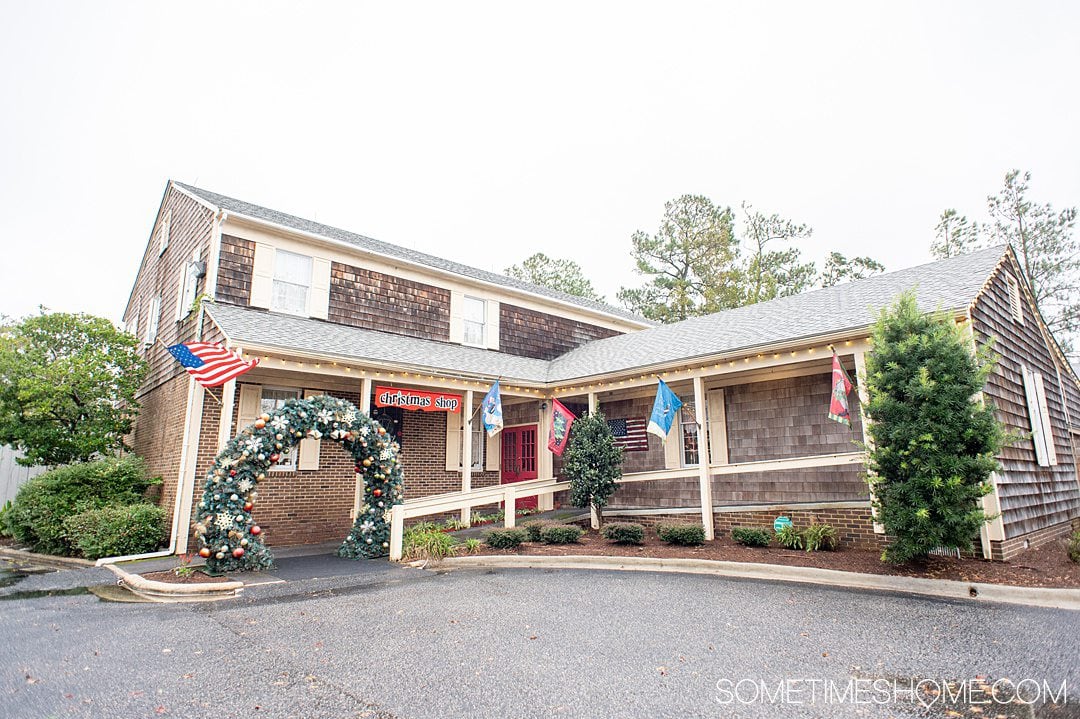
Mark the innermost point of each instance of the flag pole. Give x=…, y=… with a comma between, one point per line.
x=481, y=406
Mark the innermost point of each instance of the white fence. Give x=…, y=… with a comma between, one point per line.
x=12, y=475
x=508, y=494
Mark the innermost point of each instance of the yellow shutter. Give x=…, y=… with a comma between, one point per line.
x=453, y=441
x=309, y=448
x=262, y=275
x=319, y=296
x=250, y=399
x=457, y=320
x=718, y=451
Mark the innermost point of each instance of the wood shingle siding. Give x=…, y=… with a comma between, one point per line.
x=234, y=270
x=373, y=300
x=1032, y=497
x=528, y=333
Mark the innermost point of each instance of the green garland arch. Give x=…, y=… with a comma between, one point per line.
x=227, y=535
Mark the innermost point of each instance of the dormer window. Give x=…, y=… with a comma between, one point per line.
x=474, y=314
x=292, y=282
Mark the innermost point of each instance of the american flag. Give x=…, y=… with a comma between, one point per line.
x=210, y=364
x=630, y=434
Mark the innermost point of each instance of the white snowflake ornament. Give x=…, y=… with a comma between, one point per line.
x=279, y=423
x=325, y=416
x=367, y=527
x=244, y=485
x=223, y=521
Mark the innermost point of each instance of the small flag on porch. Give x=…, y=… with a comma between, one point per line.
x=559, y=433
x=210, y=364
x=841, y=388
x=629, y=434
x=664, y=410
x=491, y=414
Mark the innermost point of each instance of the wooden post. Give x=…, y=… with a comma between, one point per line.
x=509, y=506
x=704, y=480
x=365, y=395
x=397, y=532
x=466, y=454
x=593, y=403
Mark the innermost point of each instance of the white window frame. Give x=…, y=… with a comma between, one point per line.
x=1016, y=301
x=189, y=286
x=479, y=437
x=466, y=322
x=688, y=419
x=153, y=321
x=275, y=280
x=294, y=453
x=164, y=230
x=133, y=326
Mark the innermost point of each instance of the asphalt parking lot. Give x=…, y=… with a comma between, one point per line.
x=399, y=642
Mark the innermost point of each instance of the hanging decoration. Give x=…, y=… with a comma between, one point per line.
x=841, y=387
x=559, y=432
x=228, y=537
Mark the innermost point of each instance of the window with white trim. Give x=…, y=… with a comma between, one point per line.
x=189, y=286
x=153, y=318
x=688, y=431
x=271, y=401
x=292, y=283
x=1016, y=304
x=164, y=229
x=478, y=437
x=474, y=315
x=132, y=327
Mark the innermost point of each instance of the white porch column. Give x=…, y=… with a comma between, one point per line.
x=704, y=480
x=545, y=460
x=365, y=407
x=466, y=452
x=228, y=402
x=593, y=403
x=860, y=380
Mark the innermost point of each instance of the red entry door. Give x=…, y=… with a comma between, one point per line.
x=519, y=458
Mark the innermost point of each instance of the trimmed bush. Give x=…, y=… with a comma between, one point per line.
x=432, y=544
x=533, y=527
x=505, y=538
x=624, y=533
x=4, y=531
x=1074, y=547
x=560, y=534
x=116, y=531
x=37, y=516
x=790, y=537
x=819, y=536
x=751, y=536
x=687, y=535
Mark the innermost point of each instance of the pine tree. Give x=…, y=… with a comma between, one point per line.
x=934, y=444
x=593, y=463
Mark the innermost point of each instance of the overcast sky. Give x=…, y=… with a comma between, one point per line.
x=486, y=132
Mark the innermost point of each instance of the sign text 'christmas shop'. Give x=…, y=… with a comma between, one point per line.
x=416, y=399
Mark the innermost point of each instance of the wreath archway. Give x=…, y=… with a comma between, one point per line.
x=228, y=537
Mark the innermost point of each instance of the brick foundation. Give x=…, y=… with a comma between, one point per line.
x=1010, y=548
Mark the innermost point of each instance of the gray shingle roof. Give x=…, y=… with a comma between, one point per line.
x=245, y=326
x=950, y=284
x=385, y=248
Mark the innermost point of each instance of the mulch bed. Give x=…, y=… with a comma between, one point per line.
x=196, y=578
x=1046, y=566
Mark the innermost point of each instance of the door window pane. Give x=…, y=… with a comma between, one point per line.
x=273, y=400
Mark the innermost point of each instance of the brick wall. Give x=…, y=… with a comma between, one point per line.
x=423, y=458
x=1011, y=548
x=529, y=333
x=234, y=271
x=373, y=300
x=158, y=434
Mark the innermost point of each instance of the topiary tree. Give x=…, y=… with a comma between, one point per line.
x=933, y=443
x=67, y=387
x=593, y=463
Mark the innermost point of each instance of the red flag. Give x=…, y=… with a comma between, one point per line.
x=559, y=432
x=841, y=388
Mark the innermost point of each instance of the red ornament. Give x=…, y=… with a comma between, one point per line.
x=256, y=530
x=238, y=552
x=232, y=472
x=248, y=506
x=275, y=457
x=377, y=492
x=204, y=552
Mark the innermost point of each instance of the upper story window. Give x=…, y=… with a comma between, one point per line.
x=292, y=283
x=163, y=232
x=271, y=401
x=153, y=318
x=474, y=314
x=132, y=327
x=189, y=287
x=1016, y=305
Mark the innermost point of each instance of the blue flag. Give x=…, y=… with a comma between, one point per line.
x=491, y=410
x=664, y=410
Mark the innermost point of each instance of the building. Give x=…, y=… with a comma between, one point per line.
x=328, y=311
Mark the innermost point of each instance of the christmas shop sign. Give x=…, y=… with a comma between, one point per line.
x=417, y=400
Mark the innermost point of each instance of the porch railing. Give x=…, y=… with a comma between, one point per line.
x=508, y=494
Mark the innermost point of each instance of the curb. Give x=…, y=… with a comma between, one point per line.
x=169, y=592
x=1055, y=598
x=47, y=560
